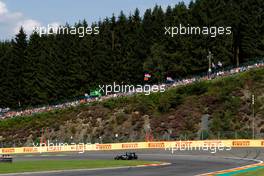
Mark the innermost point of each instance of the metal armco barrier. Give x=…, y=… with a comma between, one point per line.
x=135, y=145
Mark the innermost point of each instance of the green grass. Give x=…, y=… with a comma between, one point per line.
x=258, y=172
x=53, y=165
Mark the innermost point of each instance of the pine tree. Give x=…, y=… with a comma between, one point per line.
x=19, y=46
x=54, y=68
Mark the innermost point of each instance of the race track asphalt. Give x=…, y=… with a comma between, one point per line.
x=186, y=163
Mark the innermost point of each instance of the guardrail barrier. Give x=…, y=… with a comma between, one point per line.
x=61, y=147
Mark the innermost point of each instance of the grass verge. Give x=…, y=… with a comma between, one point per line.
x=257, y=172
x=53, y=165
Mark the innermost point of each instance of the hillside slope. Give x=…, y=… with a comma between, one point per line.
x=171, y=115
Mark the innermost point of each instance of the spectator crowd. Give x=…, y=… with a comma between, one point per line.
x=8, y=113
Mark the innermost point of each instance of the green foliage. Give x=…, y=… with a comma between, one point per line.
x=164, y=104
x=120, y=118
x=225, y=119
x=170, y=99
x=144, y=104
x=115, y=102
x=194, y=89
x=109, y=104
x=204, y=135
x=52, y=68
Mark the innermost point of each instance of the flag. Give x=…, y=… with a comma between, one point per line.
x=213, y=65
x=169, y=79
x=147, y=75
x=219, y=64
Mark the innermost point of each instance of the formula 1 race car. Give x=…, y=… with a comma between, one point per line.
x=6, y=159
x=127, y=156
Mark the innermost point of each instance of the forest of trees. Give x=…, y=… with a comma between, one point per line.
x=38, y=70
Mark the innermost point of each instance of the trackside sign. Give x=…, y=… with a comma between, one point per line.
x=136, y=145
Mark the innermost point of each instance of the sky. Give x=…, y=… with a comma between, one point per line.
x=35, y=13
